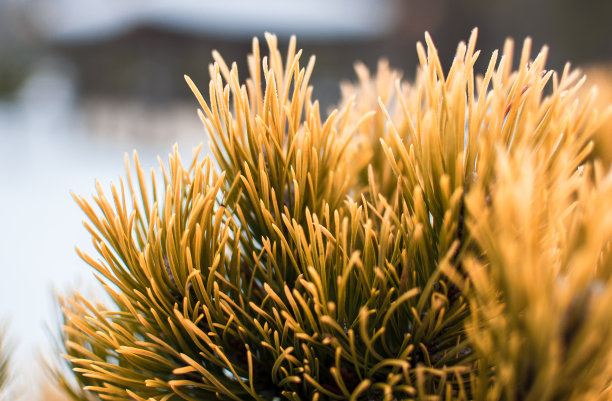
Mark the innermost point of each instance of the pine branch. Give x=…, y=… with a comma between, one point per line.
x=4, y=364
x=320, y=266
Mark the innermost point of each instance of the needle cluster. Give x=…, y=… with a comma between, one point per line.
x=445, y=238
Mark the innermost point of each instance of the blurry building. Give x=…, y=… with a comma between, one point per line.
x=142, y=49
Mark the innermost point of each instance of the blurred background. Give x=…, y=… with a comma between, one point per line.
x=84, y=82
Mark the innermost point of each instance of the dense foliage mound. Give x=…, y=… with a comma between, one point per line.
x=446, y=238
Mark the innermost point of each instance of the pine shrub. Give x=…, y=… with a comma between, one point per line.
x=446, y=238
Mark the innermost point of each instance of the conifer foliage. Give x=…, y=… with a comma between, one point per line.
x=445, y=238
x=4, y=365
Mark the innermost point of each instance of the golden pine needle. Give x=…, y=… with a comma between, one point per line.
x=440, y=239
